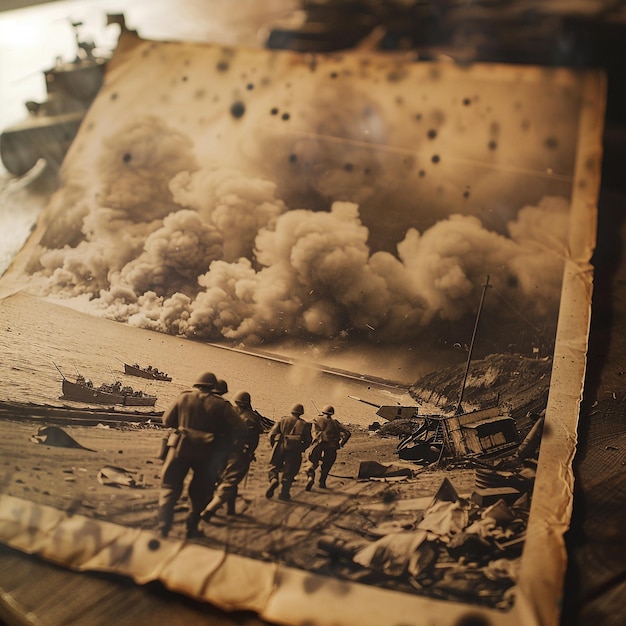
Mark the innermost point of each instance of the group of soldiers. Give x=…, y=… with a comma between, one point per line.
x=115, y=387
x=217, y=440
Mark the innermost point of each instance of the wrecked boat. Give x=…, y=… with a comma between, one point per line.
x=146, y=372
x=78, y=416
x=484, y=432
x=481, y=433
x=83, y=390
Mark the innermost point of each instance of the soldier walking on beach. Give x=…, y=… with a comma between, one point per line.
x=328, y=436
x=205, y=424
x=239, y=458
x=289, y=437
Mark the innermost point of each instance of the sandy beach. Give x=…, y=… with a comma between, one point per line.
x=67, y=478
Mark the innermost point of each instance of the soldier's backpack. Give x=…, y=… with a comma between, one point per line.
x=292, y=441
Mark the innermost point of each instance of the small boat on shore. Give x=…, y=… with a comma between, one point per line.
x=79, y=416
x=83, y=390
x=146, y=372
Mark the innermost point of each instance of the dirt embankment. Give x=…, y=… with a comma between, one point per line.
x=520, y=383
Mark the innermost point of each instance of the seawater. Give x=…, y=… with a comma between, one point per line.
x=36, y=336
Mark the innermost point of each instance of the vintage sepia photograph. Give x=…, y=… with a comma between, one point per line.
x=301, y=326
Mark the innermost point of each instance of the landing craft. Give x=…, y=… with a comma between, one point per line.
x=83, y=390
x=146, y=372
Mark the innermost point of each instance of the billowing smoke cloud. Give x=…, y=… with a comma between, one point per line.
x=210, y=252
x=137, y=166
x=104, y=224
x=314, y=279
x=174, y=255
x=236, y=206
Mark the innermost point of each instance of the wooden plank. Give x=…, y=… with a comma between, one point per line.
x=596, y=577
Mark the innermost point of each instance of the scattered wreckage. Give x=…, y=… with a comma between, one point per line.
x=109, y=475
x=57, y=437
x=114, y=476
x=464, y=547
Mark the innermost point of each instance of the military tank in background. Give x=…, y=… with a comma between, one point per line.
x=50, y=127
x=391, y=412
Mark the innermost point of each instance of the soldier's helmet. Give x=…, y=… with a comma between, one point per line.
x=208, y=380
x=243, y=398
x=297, y=409
x=328, y=410
x=221, y=387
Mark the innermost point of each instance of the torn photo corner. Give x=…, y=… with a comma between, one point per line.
x=407, y=242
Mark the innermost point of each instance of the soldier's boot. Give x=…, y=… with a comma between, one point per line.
x=323, y=481
x=193, y=531
x=284, y=494
x=272, y=488
x=192, y=522
x=230, y=505
x=164, y=532
x=165, y=520
x=310, y=481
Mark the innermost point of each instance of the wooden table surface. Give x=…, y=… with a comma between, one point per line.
x=595, y=585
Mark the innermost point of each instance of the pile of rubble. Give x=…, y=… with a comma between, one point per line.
x=457, y=548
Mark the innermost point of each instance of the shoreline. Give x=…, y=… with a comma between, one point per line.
x=325, y=369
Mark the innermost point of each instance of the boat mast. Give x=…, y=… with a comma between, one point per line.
x=59, y=370
x=459, y=408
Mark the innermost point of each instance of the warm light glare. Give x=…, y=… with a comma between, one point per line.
x=19, y=33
